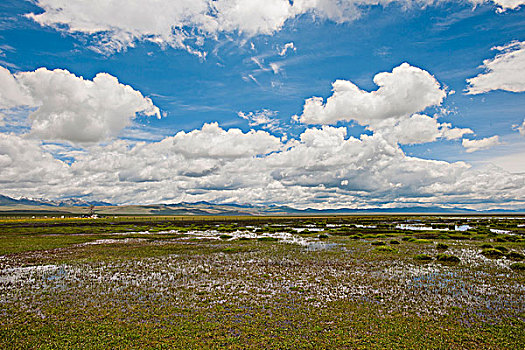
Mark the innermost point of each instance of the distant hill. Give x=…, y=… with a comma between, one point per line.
x=78, y=206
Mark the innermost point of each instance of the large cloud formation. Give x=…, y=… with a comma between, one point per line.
x=118, y=24
x=323, y=168
x=70, y=108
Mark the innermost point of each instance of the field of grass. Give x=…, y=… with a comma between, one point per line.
x=339, y=282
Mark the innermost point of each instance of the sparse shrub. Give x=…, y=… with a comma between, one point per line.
x=446, y=258
x=486, y=245
x=378, y=243
x=322, y=236
x=225, y=236
x=442, y=246
x=515, y=256
x=423, y=257
x=518, y=266
x=244, y=239
x=394, y=242
x=500, y=239
x=492, y=253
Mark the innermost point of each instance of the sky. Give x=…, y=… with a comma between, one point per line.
x=305, y=103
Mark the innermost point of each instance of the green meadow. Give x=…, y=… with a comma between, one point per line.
x=335, y=282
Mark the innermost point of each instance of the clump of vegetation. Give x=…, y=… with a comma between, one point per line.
x=378, y=243
x=518, y=266
x=422, y=241
x=322, y=236
x=385, y=249
x=492, y=253
x=515, y=256
x=486, y=245
x=394, y=242
x=225, y=236
x=447, y=258
x=423, y=257
x=501, y=249
x=267, y=239
x=442, y=246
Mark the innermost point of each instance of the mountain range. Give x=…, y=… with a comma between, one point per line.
x=79, y=206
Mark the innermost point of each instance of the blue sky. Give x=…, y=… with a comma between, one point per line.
x=229, y=61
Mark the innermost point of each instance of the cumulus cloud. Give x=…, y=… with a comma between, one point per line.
x=404, y=91
x=421, y=129
x=392, y=110
x=506, y=71
x=71, y=108
x=214, y=142
x=477, y=145
x=12, y=94
x=27, y=167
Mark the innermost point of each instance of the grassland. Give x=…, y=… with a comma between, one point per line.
x=339, y=282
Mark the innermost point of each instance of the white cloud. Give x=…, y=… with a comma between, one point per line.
x=265, y=118
x=214, y=142
x=323, y=168
x=71, y=108
x=251, y=17
x=392, y=110
x=509, y=4
x=276, y=67
x=12, y=94
x=118, y=24
x=287, y=46
x=477, y=145
x=502, y=5
x=421, y=129
x=511, y=162
x=404, y=91
x=521, y=128
x=27, y=167
x=506, y=71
